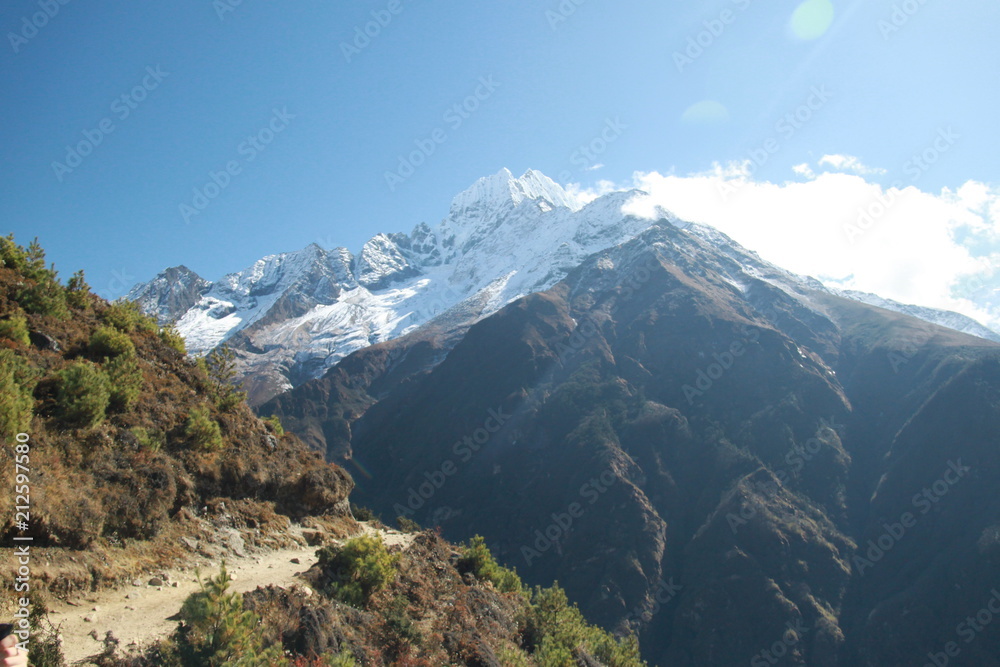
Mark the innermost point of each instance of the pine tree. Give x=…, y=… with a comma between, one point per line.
x=219, y=632
x=220, y=365
x=78, y=291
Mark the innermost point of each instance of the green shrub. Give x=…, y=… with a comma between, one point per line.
x=219, y=633
x=408, y=525
x=512, y=657
x=15, y=328
x=125, y=380
x=360, y=568
x=83, y=394
x=110, y=343
x=553, y=654
x=16, y=401
x=398, y=622
x=13, y=256
x=275, y=423
x=203, y=431
x=341, y=660
x=150, y=439
x=362, y=513
x=128, y=317
x=78, y=292
x=46, y=639
x=477, y=559
x=172, y=338
x=44, y=298
x=556, y=628
x=220, y=365
x=40, y=293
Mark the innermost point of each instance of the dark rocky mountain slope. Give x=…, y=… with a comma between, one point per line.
x=698, y=453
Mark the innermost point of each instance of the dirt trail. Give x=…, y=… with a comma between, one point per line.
x=140, y=614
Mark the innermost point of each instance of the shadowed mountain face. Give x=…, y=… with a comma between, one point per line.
x=742, y=473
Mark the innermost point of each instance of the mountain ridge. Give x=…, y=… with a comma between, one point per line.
x=743, y=435
x=292, y=316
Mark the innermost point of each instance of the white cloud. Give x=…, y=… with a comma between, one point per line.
x=804, y=170
x=595, y=167
x=939, y=250
x=848, y=163
x=585, y=195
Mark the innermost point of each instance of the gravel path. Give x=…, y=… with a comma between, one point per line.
x=140, y=614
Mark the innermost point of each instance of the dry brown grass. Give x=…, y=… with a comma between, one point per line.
x=112, y=501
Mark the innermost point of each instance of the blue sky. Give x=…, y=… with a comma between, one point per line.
x=873, y=81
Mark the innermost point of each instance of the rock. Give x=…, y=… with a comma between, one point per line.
x=93, y=635
x=90, y=618
x=208, y=552
x=43, y=341
x=156, y=581
x=314, y=538
x=307, y=591
x=137, y=582
x=190, y=543
x=174, y=584
x=297, y=561
x=95, y=608
x=231, y=539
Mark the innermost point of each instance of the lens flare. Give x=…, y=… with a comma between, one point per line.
x=811, y=19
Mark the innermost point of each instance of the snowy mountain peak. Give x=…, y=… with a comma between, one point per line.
x=502, y=191
x=294, y=315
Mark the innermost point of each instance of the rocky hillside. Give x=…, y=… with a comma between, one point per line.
x=134, y=459
x=124, y=436
x=741, y=469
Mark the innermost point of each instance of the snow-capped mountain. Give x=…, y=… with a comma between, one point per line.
x=294, y=315
x=945, y=318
